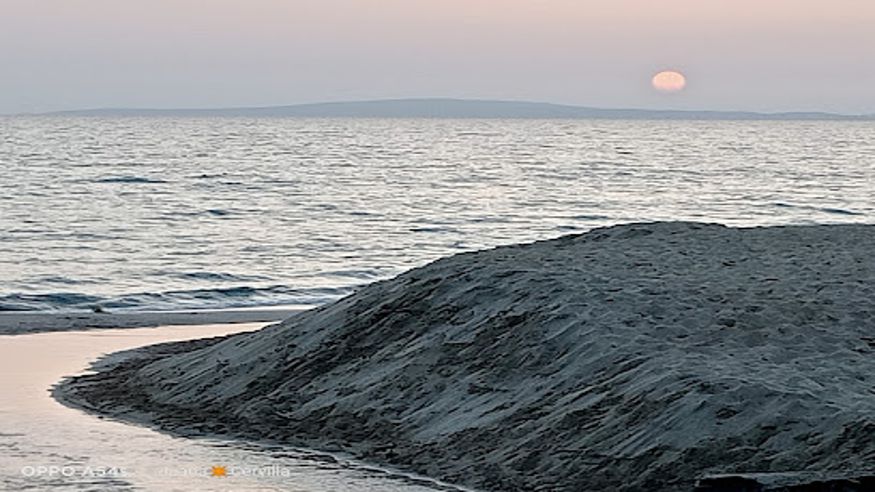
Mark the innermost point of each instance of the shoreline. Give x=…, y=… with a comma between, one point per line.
x=123, y=364
x=126, y=361
x=27, y=322
x=36, y=423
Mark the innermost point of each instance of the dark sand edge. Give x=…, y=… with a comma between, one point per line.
x=98, y=393
x=101, y=392
x=107, y=393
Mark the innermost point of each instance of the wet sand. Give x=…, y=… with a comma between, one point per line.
x=90, y=453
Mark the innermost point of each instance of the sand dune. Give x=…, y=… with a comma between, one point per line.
x=636, y=357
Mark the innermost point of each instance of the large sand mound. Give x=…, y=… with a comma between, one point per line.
x=633, y=357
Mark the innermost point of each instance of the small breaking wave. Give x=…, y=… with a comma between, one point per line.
x=130, y=180
x=839, y=211
x=220, y=298
x=826, y=210
x=214, y=276
x=44, y=302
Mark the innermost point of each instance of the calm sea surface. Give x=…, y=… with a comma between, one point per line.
x=165, y=213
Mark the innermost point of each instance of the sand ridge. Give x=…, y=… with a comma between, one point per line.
x=641, y=356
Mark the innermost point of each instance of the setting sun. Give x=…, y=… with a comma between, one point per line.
x=669, y=81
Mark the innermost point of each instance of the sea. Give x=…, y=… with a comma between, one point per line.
x=165, y=213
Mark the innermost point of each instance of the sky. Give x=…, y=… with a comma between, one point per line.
x=759, y=55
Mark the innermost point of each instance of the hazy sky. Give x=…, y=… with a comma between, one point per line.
x=766, y=55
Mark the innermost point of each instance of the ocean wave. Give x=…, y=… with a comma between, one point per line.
x=58, y=279
x=43, y=302
x=220, y=298
x=130, y=179
x=355, y=274
x=435, y=230
x=839, y=211
x=214, y=276
x=826, y=210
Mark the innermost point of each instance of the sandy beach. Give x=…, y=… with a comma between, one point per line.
x=36, y=432
x=644, y=356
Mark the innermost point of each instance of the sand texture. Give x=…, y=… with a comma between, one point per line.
x=636, y=357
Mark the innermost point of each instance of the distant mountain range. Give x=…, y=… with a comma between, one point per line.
x=459, y=108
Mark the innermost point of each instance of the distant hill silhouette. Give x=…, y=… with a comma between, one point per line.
x=460, y=108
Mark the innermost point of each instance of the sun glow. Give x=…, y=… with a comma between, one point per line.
x=669, y=81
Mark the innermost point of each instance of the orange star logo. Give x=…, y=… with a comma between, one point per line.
x=219, y=471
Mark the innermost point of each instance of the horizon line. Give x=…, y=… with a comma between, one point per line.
x=530, y=103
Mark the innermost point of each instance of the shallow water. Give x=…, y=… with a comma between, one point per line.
x=171, y=213
x=36, y=431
